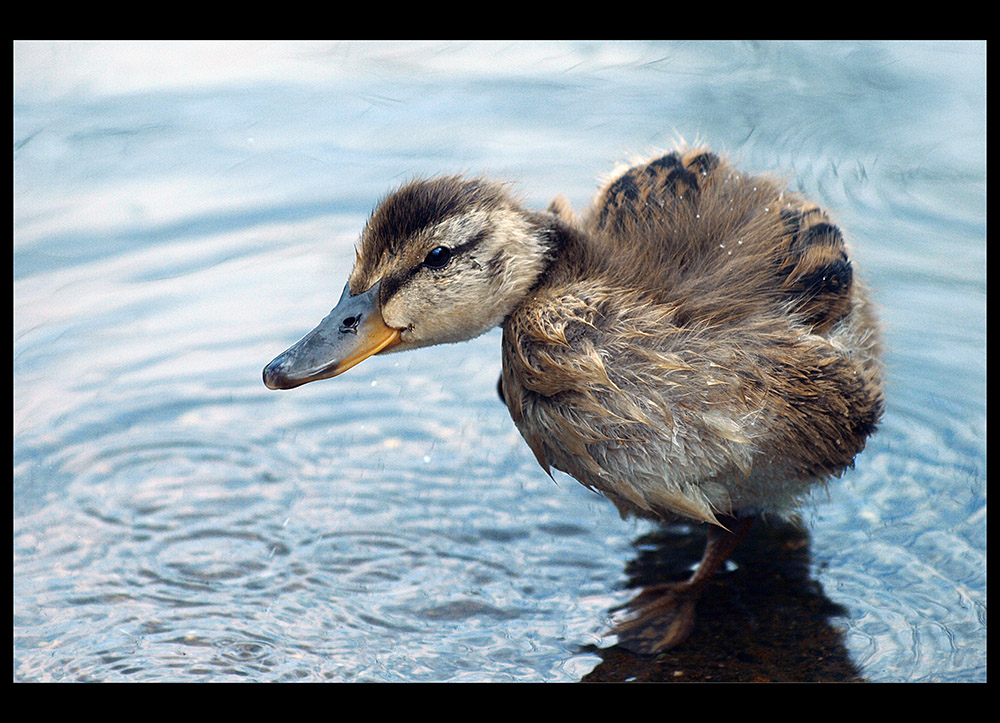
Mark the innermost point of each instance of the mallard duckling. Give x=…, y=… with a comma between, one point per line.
x=694, y=346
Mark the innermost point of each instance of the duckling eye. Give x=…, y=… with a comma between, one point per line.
x=438, y=258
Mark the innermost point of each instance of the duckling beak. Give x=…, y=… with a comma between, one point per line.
x=351, y=333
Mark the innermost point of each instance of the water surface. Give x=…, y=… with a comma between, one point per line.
x=183, y=212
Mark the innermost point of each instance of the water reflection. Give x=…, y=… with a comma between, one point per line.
x=764, y=619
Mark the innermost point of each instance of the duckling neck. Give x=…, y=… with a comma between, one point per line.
x=564, y=250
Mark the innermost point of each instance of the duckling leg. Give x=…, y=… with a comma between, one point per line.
x=664, y=614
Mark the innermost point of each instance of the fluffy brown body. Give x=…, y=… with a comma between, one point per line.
x=702, y=348
x=695, y=345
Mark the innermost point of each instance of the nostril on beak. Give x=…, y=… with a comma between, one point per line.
x=350, y=325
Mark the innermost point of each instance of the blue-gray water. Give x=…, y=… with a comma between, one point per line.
x=184, y=212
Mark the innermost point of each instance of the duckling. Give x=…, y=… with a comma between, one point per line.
x=694, y=346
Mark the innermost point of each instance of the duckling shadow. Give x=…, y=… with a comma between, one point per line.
x=763, y=618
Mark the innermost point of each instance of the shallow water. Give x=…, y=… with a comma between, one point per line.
x=184, y=212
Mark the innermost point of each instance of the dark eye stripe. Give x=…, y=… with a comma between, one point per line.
x=439, y=257
x=392, y=284
x=471, y=243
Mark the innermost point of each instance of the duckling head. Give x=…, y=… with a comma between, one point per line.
x=440, y=260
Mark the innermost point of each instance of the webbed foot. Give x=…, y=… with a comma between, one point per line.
x=662, y=616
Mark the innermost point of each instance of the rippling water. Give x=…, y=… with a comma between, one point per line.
x=184, y=212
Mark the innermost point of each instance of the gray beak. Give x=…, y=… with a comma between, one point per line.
x=351, y=333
